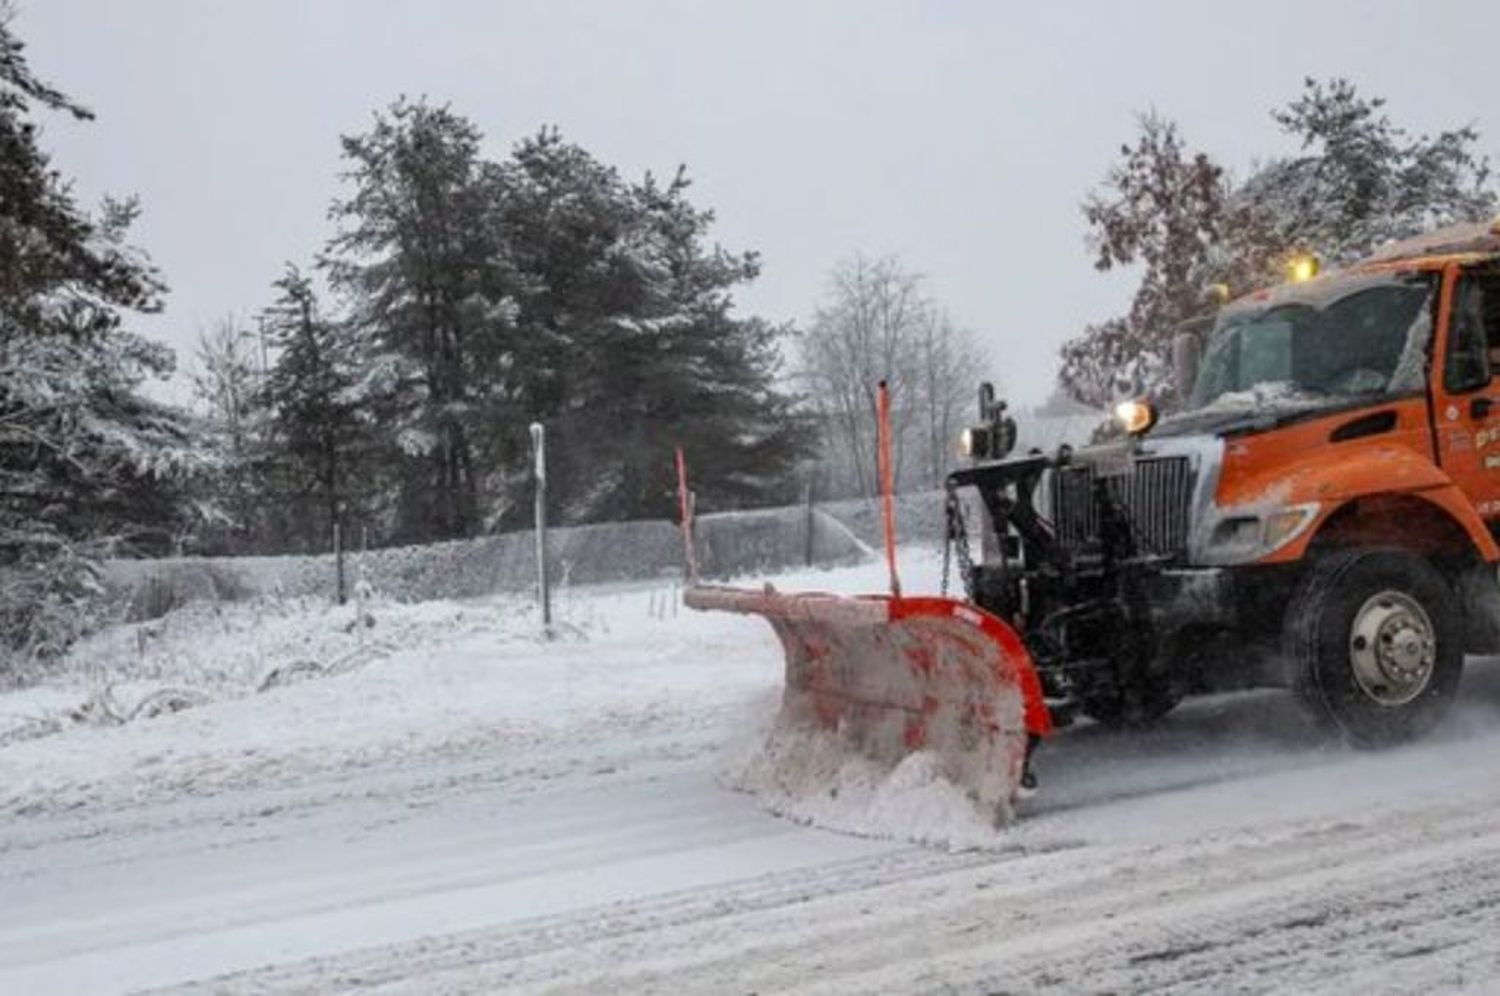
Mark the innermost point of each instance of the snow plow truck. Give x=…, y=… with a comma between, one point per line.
x=1318, y=512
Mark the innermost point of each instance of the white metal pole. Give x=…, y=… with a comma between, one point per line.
x=539, y=472
x=338, y=562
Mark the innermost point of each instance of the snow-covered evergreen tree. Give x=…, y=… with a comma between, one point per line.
x=61, y=271
x=87, y=464
x=624, y=318
x=313, y=465
x=545, y=287
x=418, y=260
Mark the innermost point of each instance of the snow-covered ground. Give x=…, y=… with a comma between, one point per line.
x=462, y=806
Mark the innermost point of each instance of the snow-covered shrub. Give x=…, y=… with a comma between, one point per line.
x=176, y=583
x=45, y=605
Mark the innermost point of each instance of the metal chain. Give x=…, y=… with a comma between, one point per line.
x=947, y=547
x=965, y=560
x=957, y=540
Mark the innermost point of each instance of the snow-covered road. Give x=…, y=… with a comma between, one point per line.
x=200, y=889
x=440, y=821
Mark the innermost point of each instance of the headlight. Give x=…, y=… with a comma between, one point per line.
x=1136, y=417
x=974, y=442
x=988, y=442
x=1239, y=539
x=1284, y=526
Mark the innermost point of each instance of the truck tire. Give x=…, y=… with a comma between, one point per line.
x=1374, y=645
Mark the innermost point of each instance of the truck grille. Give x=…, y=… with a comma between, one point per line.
x=1156, y=496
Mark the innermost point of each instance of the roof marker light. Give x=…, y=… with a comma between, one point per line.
x=1302, y=267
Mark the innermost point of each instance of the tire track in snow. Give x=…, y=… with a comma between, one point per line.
x=623, y=923
x=1394, y=903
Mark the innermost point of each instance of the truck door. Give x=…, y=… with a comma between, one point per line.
x=1468, y=392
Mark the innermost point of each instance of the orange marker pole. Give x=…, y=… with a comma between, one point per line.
x=887, y=483
x=685, y=501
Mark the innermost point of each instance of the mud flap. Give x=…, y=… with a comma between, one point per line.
x=894, y=675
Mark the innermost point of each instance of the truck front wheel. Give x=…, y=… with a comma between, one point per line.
x=1374, y=643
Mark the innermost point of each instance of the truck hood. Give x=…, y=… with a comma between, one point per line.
x=1257, y=411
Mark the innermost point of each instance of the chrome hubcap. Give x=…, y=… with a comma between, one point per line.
x=1392, y=648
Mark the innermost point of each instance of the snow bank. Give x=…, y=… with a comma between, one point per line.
x=208, y=653
x=630, y=679
x=633, y=684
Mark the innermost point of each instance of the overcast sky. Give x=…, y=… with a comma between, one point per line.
x=960, y=136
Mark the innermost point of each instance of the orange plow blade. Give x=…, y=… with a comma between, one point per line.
x=893, y=675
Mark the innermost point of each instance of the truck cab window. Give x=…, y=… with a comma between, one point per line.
x=1359, y=337
x=1474, y=340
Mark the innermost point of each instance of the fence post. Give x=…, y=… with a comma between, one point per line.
x=686, y=507
x=338, y=560
x=807, y=498
x=887, y=482
x=539, y=473
x=362, y=567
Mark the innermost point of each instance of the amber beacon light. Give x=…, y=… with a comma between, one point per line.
x=1303, y=267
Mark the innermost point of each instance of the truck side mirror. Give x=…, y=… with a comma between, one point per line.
x=1187, y=352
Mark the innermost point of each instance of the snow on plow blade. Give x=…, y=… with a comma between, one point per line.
x=895, y=675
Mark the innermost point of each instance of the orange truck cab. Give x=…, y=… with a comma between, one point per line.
x=1318, y=513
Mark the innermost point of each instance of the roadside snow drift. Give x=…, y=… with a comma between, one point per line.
x=278, y=692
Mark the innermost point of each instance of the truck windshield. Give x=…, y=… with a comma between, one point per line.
x=1337, y=338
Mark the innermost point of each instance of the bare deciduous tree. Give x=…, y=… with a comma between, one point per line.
x=878, y=324
x=227, y=370
x=951, y=361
